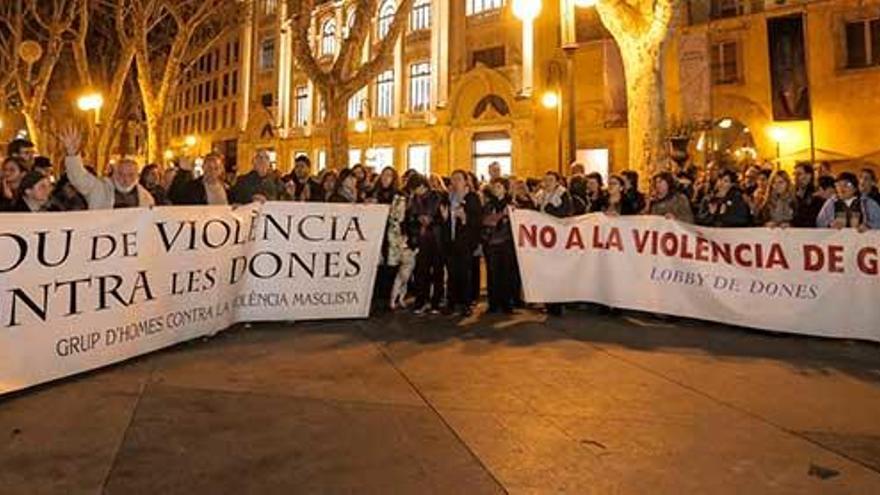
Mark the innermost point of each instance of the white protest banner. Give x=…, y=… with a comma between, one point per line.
x=813, y=282
x=83, y=290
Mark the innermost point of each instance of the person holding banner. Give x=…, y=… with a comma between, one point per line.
x=616, y=203
x=119, y=191
x=849, y=209
x=209, y=189
x=727, y=207
x=260, y=184
x=668, y=202
x=554, y=200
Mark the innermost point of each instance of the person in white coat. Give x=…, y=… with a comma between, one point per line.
x=119, y=191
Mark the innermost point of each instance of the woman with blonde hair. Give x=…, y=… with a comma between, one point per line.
x=436, y=184
x=778, y=206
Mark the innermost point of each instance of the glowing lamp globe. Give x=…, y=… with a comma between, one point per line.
x=550, y=99
x=526, y=10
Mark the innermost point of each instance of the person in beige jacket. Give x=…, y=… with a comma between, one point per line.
x=104, y=193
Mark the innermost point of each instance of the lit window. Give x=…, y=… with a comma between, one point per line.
x=420, y=19
x=385, y=94
x=725, y=62
x=492, y=148
x=354, y=157
x=303, y=104
x=727, y=8
x=328, y=37
x=381, y=157
x=386, y=17
x=420, y=87
x=479, y=6
x=862, y=43
x=322, y=160
x=418, y=158
x=267, y=54
x=356, y=104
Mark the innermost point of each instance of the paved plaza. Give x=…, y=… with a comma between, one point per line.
x=589, y=403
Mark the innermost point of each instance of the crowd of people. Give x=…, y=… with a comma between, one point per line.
x=442, y=231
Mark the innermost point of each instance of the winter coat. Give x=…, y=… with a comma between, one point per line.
x=867, y=208
x=100, y=193
x=732, y=211
x=251, y=184
x=186, y=190
x=675, y=204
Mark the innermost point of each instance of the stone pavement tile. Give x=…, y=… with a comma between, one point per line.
x=62, y=437
x=794, y=397
x=308, y=360
x=726, y=454
x=197, y=441
x=531, y=453
x=558, y=377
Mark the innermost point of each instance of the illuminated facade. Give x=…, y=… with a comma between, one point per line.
x=462, y=92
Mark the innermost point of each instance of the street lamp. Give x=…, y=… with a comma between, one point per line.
x=190, y=141
x=552, y=99
x=363, y=124
x=777, y=134
x=91, y=102
x=527, y=11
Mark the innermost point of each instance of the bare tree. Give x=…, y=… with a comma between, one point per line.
x=348, y=73
x=640, y=28
x=7, y=53
x=167, y=36
x=103, y=63
x=46, y=22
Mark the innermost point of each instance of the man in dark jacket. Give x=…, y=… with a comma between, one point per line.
x=300, y=184
x=727, y=207
x=462, y=221
x=260, y=184
x=209, y=189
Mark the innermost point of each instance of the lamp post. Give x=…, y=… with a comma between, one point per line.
x=364, y=124
x=552, y=99
x=93, y=102
x=527, y=11
x=777, y=134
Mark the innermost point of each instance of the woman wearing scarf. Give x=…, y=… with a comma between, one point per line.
x=498, y=247
x=346, y=188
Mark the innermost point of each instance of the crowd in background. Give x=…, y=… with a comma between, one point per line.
x=442, y=231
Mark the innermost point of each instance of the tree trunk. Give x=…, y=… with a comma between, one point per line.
x=155, y=137
x=646, y=105
x=337, y=133
x=31, y=119
x=103, y=143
